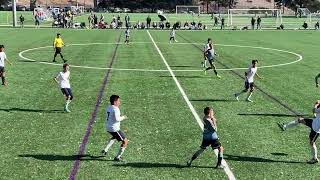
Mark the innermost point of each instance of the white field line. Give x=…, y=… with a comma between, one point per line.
x=227, y=169
x=162, y=70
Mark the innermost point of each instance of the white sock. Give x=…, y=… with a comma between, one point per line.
x=314, y=151
x=121, y=150
x=249, y=95
x=291, y=124
x=67, y=103
x=109, y=144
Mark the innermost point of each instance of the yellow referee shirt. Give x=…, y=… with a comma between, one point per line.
x=58, y=42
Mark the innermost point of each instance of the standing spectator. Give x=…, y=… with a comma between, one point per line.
x=21, y=21
x=90, y=21
x=222, y=23
x=215, y=21
x=101, y=17
x=305, y=25
x=148, y=22
x=37, y=19
x=127, y=20
x=259, y=23
x=154, y=25
x=95, y=20
x=253, y=22
x=316, y=26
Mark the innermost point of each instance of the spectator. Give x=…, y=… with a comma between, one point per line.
x=316, y=26
x=154, y=25
x=148, y=22
x=259, y=23
x=222, y=23
x=215, y=21
x=305, y=25
x=21, y=21
x=186, y=25
x=127, y=20
x=253, y=22
x=168, y=25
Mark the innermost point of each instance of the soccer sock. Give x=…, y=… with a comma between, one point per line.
x=220, y=157
x=291, y=124
x=249, y=95
x=314, y=151
x=67, y=103
x=121, y=150
x=208, y=68
x=3, y=80
x=109, y=144
x=215, y=71
x=196, y=154
x=61, y=56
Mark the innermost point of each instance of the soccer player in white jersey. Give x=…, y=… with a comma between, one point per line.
x=127, y=34
x=204, y=63
x=210, y=56
x=249, y=78
x=172, y=36
x=112, y=123
x=63, y=79
x=3, y=59
x=210, y=137
x=314, y=125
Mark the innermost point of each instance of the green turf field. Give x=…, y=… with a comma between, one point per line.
x=39, y=141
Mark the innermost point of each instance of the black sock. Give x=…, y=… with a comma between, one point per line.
x=208, y=68
x=215, y=72
x=3, y=80
x=220, y=157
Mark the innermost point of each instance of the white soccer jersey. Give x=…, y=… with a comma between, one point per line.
x=3, y=57
x=316, y=121
x=209, y=48
x=127, y=32
x=113, y=119
x=250, y=74
x=172, y=33
x=63, y=79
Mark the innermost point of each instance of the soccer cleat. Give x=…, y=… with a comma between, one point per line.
x=218, y=76
x=220, y=166
x=236, y=96
x=118, y=159
x=67, y=110
x=281, y=126
x=249, y=100
x=313, y=161
x=189, y=163
x=202, y=65
x=64, y=61
x=54, y=61
x=205, y=72
x=103, y=153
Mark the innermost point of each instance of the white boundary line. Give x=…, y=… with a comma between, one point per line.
x=160, y=70
x=227, y=170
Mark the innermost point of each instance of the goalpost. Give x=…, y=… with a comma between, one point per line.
x=271, y=18
x=304, y=12
x=188, y=10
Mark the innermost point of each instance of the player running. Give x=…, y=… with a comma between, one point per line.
x=57, y=45
x=3, y=59
x=210, y=137
x=316, y=79
x=112, y=123
x=127, y=34
x=172, y=36
x=210, y=56
x=249, y=84
x=314, y=125
x=63, y=79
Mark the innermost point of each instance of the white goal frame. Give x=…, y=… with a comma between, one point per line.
x=185, y=6
x=305, y=12
x=278, y=14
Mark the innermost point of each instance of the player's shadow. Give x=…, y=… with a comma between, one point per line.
x=270, y=114
x=55, y=157
x=213, y=100
x=156, y=165
x=30, y=110
x=230, y=157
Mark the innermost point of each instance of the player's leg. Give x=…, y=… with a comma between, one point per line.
x=55, y=55
x=215, y=69
x=60, y=53
x=205, y=143
x=220, y=157
x=3, y=76
x=314, y=152
x=124, y=143
x=109, y=144
x=68, y=99
x=294, y=123
x=246, y=89
x=251, y=85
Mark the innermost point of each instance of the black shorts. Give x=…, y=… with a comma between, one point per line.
x=248, y=85
x=171, y=38
x=37, y=22
x=58, y=50
x=2, y=70
x=313, y=136
x=67, y=92
x=119, y=135
x=214, y=143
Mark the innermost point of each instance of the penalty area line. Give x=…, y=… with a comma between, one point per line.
x=227, y=169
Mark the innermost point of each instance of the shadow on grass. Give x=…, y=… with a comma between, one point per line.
x=214, y=100
x=269, y=114
x=54, y=157
x=156, y=165
x=194, y=77
x=279, y=154
x=181, y=66
x=31, y=110
x=257, y=159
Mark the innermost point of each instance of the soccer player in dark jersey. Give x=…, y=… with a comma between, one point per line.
x=127, y=34
x=210, y=137
x=210, y=56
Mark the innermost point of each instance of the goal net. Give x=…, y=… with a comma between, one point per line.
x=193, y=10
x=241, y=18
x=42, y=13
x=304, y=13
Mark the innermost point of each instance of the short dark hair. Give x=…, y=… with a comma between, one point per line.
x=65, y=65
x=113, y=98
x=207, y=110
x=254, y=61
x=1, y=46
x=209, y=39
x=58, y=34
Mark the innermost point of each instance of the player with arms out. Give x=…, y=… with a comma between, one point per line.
x=63, y=79
x=3, y=59
x=112, y=123
x=210, y=56
x=57, y=46
x=249, y=84
x=314, y=125
x=127, y=34
x=210, y=137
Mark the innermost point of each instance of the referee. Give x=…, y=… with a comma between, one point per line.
x=57, y=45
